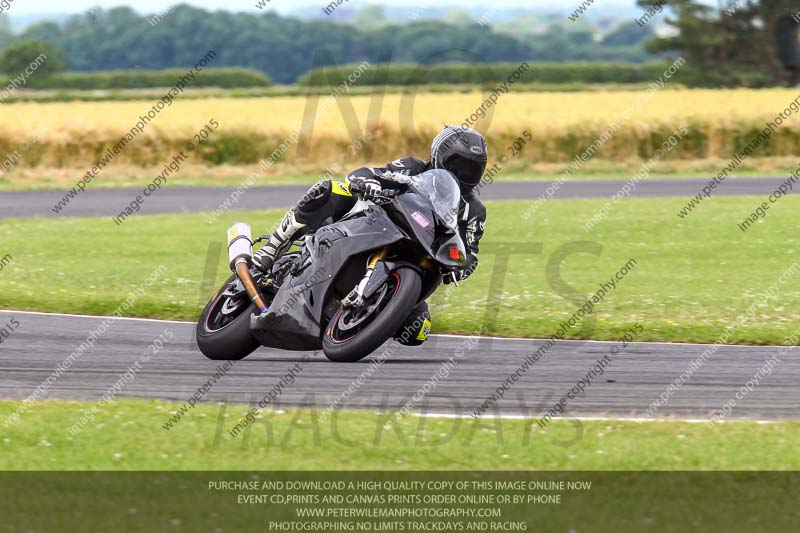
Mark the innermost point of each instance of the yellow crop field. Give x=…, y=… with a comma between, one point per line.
x=562, y=124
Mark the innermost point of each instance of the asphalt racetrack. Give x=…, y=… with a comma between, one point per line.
x=635, y=377
x=111, y=202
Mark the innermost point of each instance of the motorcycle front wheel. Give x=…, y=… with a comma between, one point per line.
x=355, y=332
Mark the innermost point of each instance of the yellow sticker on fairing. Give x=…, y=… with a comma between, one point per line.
x=342, y=189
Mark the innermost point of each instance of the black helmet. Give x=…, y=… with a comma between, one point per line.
x=463, y=152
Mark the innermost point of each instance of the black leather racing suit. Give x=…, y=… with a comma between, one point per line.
x=328, y=200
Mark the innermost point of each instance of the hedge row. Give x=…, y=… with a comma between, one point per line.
x=145, y=79
x=354, y=75
x=484, y=73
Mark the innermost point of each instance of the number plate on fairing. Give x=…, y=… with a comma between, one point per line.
x=420, y=219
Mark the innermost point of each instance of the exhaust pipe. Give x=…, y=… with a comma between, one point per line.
x=240, y=255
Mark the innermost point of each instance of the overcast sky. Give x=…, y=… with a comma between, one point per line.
x=152, y=6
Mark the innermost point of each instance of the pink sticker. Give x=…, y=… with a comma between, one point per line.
x=420, y=219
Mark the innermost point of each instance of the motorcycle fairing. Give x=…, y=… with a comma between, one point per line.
x=294, y=318
x=413, y=213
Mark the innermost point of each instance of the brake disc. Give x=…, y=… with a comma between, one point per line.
x=355, y=316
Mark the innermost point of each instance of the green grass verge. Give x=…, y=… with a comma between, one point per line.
x=693, y=277
x=128, y=435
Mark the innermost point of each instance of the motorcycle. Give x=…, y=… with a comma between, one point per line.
x=351, y=285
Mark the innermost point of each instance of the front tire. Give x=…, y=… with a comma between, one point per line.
x=223, y=330
x=348, y=340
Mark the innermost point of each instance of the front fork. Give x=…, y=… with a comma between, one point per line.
x=356, y=297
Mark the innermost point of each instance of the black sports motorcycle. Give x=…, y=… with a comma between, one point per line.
x=351, y=285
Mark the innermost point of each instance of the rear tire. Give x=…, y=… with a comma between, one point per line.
x=381, y=327
x=231, y=342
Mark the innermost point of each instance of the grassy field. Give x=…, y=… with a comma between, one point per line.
x=563, y=125
x=515, y=111
x=143, y=478
x=691, y=280
x=128, y=435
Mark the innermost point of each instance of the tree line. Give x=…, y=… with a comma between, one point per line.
x=286, y=47
x=744, y=43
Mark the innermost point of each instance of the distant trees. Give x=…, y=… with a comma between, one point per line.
x=36, y=56
x=282, y=47
x=747, y=42
x=285, y=47
x=751, y=43
x=628, y=34
x=370, y=17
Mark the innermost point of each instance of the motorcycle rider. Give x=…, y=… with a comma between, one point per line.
x=459, y=150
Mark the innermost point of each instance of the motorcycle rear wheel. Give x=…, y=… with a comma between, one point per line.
x=350, y=337
x=226, y=338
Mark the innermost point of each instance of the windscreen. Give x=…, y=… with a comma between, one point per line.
x=442, y=189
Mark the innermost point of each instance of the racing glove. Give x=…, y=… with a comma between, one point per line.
x=455, y=276
x=462, y=274
x=368, y=188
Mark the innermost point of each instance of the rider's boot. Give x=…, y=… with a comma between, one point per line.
x=278, y=242
x=416, y=328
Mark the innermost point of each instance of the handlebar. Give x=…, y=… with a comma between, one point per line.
x=389, y=194
x=385, y=194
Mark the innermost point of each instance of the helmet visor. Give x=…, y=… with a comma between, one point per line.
x=468, y=172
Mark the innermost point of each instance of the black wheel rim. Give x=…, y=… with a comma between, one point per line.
x=224, y=311
x=349, y=321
